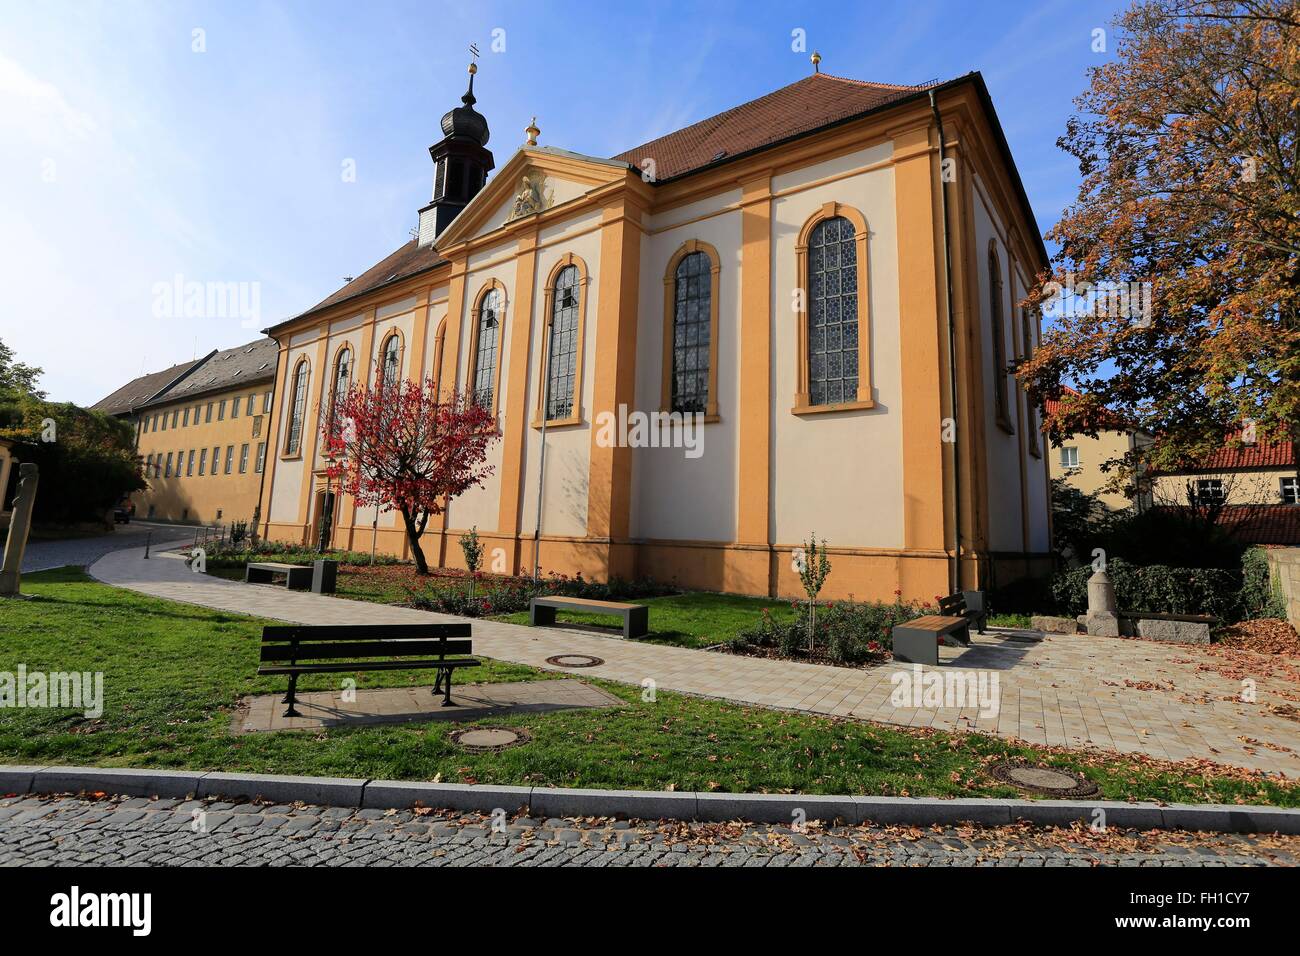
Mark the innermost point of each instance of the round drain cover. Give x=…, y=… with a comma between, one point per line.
x=575, y=660
x=489, y=739
x=1053, y=780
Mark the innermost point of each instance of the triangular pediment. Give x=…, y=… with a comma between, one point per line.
x=534, y=181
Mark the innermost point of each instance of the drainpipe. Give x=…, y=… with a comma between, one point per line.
x=952, y=354
x=541, y=459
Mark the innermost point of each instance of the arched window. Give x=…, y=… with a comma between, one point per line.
x=834, y=334
x=342, y=382
x=390, y=363
x=297, y=409
x=691, y=327
x=833, y=313
x=1033, y=435
x=563, y=358
x=487, y=333
x=999, y=341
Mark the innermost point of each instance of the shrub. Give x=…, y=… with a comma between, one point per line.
x=506, y=595
x=846, y=632
x=1156, y=588
x=1259, y=596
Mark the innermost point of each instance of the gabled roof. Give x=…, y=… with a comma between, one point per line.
x=247, y=364
x=801, y=107
x=810, y=104
x=140, y=390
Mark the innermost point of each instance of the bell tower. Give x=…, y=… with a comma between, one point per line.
x=461, y=163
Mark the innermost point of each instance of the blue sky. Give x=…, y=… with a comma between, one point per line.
x=128, y=158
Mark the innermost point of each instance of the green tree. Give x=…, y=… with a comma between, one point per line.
x=16, y=379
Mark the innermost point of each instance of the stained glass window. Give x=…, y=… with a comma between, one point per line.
x=297, y=411
x=832, y=313
x=485, y=364
x=692, y=328
x=563, y=357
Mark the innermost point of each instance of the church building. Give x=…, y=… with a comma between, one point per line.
x=825, y=281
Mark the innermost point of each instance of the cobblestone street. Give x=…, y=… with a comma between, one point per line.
x=142, y=832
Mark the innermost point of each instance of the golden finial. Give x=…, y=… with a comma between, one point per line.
x=473, y=68
x=816, y=61
x=533, y=132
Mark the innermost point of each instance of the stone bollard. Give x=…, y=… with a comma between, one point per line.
x=20, y=523
x=1102, y=619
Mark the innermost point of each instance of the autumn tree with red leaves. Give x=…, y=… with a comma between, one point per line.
x=1188, y=144
x=405, y=448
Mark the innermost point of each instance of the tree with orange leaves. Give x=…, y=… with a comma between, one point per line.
x=1187, y=142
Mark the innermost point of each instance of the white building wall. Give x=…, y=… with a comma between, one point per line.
x=839, y=473
x=675, y=497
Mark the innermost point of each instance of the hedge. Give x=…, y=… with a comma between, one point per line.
x=1157, y=588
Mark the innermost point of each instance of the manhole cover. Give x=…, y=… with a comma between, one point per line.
x=489, y=739
x=575, y=660
x=1051, y=780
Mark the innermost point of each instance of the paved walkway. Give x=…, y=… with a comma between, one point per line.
x=56, y=553
x=1165, y=701
x=62, y=831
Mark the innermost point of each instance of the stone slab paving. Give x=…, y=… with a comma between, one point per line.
x=1140, y=697
x=332, y=708
x=71, y=831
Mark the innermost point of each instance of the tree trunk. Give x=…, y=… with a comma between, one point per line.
x=413, y=536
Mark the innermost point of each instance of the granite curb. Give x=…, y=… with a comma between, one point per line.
x=643, y=804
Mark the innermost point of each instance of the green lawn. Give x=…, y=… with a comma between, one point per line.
x=173, y=672
x=694, y=619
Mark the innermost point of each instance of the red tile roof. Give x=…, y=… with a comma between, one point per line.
x=1279, y=454
x=1052, y=407
x=801, y=107
x=805, y=105
x=406, y=261
x=1262, y=524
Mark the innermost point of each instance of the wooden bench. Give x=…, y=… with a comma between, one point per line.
x=917, y=641
x=636, y=617
x=967, y=604
x=297, y=577
x=343, y=648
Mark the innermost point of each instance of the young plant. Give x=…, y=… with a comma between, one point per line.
x=473, y=551
x=814, y=565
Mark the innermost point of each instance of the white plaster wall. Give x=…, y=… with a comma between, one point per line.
x=675, y=497
x=568, y=448
x=839, y=473
x=1003, y=449
x=480, y=507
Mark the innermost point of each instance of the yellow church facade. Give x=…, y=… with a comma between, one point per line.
x=783, y=274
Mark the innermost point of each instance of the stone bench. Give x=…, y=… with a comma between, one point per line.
x=636, y=617
x=297, y=577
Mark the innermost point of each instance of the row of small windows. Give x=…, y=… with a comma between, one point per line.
x=182, y=464
x=200, y=414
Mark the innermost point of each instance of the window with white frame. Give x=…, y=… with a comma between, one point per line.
x=1209, y=491
x=1290, y=488
x=1070, y=456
